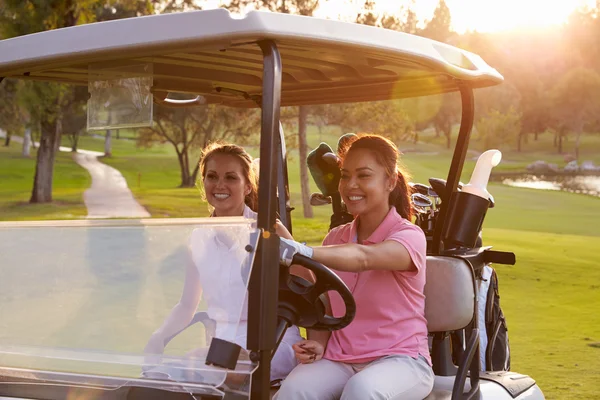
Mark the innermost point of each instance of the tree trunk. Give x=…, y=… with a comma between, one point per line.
x=519, y=141
x=75, y=142
x=194, y=176
x=27, y=143
x=107, y=144
x=44, y=169
x=448, y=134
x=535, y=136
x=7, y=139
x=183, y=168
x=36, y=134
x=304, y=184
x=577, y=141
x=560, y=139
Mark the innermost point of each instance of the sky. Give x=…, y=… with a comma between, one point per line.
x=480, y=15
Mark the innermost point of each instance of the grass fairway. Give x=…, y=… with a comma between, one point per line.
x=16, y=178
x=551, y=299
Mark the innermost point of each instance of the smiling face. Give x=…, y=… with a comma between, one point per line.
x=365, y=184
x=225, y=185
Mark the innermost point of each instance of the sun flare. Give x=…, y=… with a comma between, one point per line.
x=480, y=15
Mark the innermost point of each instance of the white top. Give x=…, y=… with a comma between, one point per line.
x=216, y=55
x=222, y=262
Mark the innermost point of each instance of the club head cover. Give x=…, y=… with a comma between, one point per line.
x=325, y=173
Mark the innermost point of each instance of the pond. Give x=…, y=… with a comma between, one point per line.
x=583, y=184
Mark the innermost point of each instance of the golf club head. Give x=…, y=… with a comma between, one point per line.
x=330, y=159
x=319, y=199
x=421, y=201
x=439, y=187
x=420, y=188
x=343, y=141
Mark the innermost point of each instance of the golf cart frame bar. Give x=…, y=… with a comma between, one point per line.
x=264, y=283
x=458, y=161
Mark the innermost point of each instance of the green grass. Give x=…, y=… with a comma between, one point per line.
x=551, y=299
x=16, y=176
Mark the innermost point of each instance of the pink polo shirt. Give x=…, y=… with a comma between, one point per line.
x=390, y=305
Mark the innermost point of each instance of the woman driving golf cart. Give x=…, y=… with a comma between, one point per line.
x=384, y=352
x=230, y=186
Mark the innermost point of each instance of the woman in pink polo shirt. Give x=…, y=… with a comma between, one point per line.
x=383, y=353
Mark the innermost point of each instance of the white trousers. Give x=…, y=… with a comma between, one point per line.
x=387, y=378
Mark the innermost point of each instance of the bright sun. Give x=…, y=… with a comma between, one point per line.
x=480, y=15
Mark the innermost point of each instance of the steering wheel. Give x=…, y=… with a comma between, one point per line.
x=301, y=302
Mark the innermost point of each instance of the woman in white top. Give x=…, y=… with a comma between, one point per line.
x=230, y=187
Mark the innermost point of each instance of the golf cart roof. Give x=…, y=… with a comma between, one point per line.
x=214, y=54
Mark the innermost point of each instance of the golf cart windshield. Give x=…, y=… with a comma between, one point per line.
x=79, y=300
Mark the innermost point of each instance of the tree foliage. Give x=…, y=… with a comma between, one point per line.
x=190, y=129
x=576, y=100
x=11, y=114
x=498, y=129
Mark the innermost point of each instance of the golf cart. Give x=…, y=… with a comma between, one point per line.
x=78, y=299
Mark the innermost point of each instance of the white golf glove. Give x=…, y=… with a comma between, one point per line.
x=288, y=248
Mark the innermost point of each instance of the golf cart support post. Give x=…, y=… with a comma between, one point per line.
x=441, y=67
x=264, y=282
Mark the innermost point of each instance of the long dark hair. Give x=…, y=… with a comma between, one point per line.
x=387, y=154
x=251, y=199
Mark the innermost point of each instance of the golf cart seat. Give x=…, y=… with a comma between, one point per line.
x=449, y=305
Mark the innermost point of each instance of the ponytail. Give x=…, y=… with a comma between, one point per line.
x=400, y=197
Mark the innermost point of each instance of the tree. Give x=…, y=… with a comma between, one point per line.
x=48, y=103
x=581, y=37
x=368, y=16
x=301, y=7
x=11, y=116
x=496, y=129
x=439, y=26
x=389, y=118
x=506, y=100
x=20, y=17
x=190, y=129
x=447, y=115
x=49, y=99
x=576, y=102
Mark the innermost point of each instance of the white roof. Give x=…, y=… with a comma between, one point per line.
x=215, y=54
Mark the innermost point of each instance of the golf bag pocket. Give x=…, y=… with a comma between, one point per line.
x=494, y=344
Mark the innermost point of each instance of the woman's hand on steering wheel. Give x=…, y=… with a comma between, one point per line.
x=289, y=248
x=308, y=351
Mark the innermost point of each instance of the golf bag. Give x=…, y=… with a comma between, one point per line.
x=493, y=339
